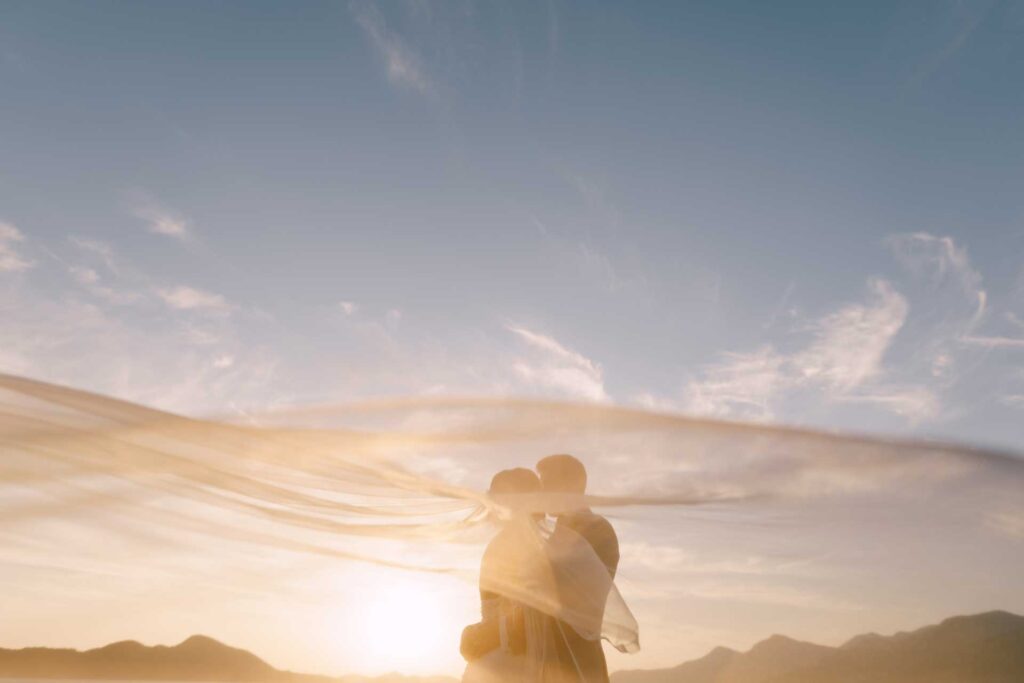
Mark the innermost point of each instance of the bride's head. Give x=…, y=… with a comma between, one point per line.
x=515, y=490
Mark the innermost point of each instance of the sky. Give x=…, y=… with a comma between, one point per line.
x=797, y=213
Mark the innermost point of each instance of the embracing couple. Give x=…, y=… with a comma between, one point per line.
x=547, y=587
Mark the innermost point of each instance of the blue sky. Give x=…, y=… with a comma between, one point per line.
x=804, y=213
x=784, y=213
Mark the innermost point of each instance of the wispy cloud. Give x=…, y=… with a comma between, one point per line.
x=10, y=260
x=850, y=343
x=913, y=402
x=742, y=385
x=592, y=262
x=557, y=367
x=746, y=591
x=404, y=67
x=52, y=332
x=672, y=560
x=91, y=281
x=189, y=298
x=106, y=280
x=959, y=306
x=963, y=19
x=85, y=276
x=994, y=342
x=843, y=362
x=939, y=260
x=348, y=307
x=161, y=221
x=1008, y=522
x=97, y=249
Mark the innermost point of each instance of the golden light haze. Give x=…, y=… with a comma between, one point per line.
x=287, y=540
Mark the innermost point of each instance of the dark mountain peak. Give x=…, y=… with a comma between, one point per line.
x=201, y=641
x=863, y=640
x=122, y=646
x=720, y=652
x=707, y=669
x=978, y=648
x=996, y=619
x=777, y=640
x=782, y=645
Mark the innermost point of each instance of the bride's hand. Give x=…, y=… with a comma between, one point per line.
x=478, y=639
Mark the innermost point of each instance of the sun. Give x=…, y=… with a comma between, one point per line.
x=406, y=626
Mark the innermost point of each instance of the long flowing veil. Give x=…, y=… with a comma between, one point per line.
x=400, y=484
x=561, y=576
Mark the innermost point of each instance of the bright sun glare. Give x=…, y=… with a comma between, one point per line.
x=406, y=626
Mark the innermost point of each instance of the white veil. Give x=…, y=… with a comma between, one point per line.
x=560, y=575
x=396, y=483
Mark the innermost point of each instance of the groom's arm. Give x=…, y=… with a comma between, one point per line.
x=605, y=543
x=479, y=639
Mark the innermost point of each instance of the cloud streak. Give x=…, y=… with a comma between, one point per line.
x=556, y=367
x=188, y=298
x=159, y=219
x=11, y=261
x=938, y=260
x=843, y=362
x=994, y=342
x=404, y=67
x=740, y=385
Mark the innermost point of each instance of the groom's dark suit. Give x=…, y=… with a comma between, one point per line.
x=587, y=656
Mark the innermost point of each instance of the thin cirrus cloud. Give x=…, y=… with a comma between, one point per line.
x=98, y=250
x=404, y=67
x=994, y=342
x=91, y=281
x=849, y=344
x=188, y=298
x=553, y=366
x=194, y=360
x=162, y=222
x=843, y=362
x=11, y=260
x=84, y=276
x=739, y=385
x=940, y=260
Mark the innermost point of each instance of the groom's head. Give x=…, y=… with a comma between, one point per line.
x=562, y=474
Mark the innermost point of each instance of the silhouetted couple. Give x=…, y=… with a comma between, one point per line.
x=547, y=590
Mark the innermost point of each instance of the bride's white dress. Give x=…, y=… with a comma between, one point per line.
x=534, y=586
x=500, y=665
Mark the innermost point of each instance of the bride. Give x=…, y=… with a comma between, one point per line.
x=496, y=647
x=534, y=587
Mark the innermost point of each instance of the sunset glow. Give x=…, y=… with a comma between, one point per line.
x=290, y=290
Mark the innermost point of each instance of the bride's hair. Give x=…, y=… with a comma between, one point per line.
x=515, y=480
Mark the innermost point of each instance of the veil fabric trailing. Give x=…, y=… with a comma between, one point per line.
x=400, y=483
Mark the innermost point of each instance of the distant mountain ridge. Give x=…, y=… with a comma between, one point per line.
x=198, y=658
x=982, y=648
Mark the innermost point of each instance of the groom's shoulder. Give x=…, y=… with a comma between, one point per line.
x=602, y=523
x=601, y=535
x=595, y=527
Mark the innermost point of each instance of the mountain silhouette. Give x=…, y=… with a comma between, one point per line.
x=198, y=658
x=982, y=648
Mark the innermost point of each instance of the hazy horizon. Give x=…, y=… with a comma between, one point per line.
x=346, y=675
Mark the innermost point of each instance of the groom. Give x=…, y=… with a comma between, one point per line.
x=564, y=474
